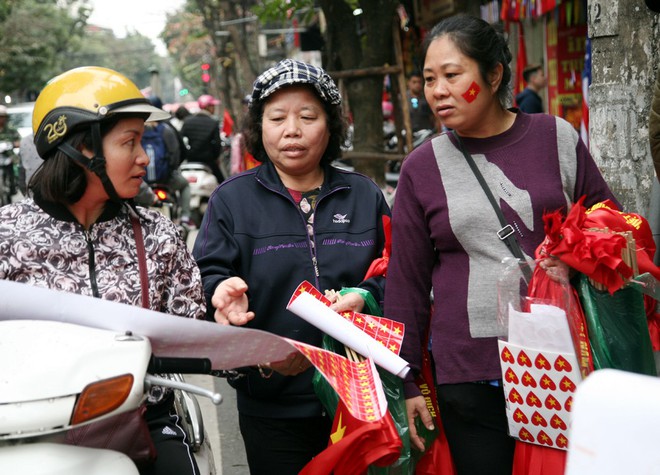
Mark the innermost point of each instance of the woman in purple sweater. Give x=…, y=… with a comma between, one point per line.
x=445, y=231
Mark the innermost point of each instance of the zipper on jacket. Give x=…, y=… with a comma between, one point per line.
x=315, y=263
x=311, y=245
x=92, y=265
x=309, y=239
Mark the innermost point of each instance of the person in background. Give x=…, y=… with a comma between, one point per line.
x=241, y=159
x=421, y=115
x=265, y=231
x=78, y=229
x=180, y=114
x=445, y=232
x=175, y=155
x=201, y=131
x=529, y=100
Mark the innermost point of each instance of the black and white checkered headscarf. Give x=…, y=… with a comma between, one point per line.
x=291, y=71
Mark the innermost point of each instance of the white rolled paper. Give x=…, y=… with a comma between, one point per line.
x=333, y=324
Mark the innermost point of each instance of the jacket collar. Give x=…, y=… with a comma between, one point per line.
x=62, y=213
x=332, y=178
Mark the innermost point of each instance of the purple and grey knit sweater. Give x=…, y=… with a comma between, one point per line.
x=444, y=234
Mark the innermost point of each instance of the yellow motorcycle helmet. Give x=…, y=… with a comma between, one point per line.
x=84, y=96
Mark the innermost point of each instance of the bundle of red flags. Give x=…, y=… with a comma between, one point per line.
x=355, y=445
x=592, y=242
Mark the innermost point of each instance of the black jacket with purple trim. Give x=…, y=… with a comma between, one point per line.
x=253, y=229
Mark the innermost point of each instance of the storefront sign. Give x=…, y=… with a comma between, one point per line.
x=565, y=51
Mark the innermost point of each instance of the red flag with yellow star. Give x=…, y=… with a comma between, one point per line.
x=472, y=92
x=355, y=445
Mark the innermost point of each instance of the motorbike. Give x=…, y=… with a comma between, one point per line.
x=65, y=375
x=7, y=177
x=202, y=183
x=167, y=202
x=393, y=167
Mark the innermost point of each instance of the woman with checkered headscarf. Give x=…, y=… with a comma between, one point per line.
x=294, y=218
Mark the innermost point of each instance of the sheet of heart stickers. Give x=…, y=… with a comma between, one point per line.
x=539, y=387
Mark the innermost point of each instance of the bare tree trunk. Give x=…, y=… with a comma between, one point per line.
x=360, y=42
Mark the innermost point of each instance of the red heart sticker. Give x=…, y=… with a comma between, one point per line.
x=538, y=419
x=525, y=435
x=557, y=422
x=562, y=364
x=568, y=405
x=552, y=403
x=562, y=441
x=514, y=396
x=528, y=380
x=510, y=377
x=533, y=400
x=520, y=416
x=523, y=359
x=541, y=362
x=544, y=439
x=566, y=385
x=506, y=355
x=547, y=383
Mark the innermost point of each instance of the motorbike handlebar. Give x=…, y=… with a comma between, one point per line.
x=159, y=364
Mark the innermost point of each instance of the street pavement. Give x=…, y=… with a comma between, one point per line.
x=221, y=422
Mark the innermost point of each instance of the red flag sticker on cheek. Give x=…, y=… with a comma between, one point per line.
x=472, y=92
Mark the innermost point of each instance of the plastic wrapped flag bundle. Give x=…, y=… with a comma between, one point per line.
x=609, y=249
x=612, y=253
x=544, y=356
x=540, y=368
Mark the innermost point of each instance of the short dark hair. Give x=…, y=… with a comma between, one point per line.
x=481, y=41
x=181, y=112
x=530, y=70
x=337, y=126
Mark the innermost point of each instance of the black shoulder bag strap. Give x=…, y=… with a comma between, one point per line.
x=507, y=233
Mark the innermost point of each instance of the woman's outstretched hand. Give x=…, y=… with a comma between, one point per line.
x=231, y=302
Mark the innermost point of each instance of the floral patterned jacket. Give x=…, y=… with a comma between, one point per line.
x=43, y=245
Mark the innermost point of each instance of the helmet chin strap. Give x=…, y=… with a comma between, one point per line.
x=96, y=164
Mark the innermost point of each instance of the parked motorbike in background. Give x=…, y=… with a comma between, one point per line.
x=167, y=202
x=393, y=167
x=202, y=183
x=391, y=145
x=7, y=173
x=60, y=376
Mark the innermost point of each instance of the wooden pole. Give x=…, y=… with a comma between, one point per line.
x=403, y=89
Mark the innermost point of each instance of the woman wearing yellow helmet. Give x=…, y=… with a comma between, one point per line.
x=79, y=231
